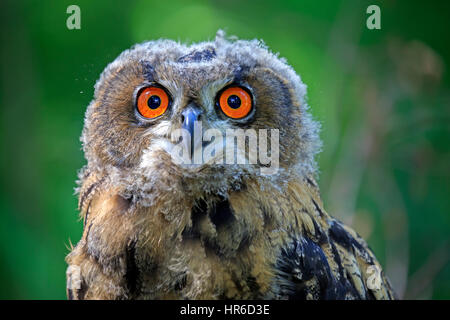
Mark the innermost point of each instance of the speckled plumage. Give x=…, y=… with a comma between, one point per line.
x=157, y=230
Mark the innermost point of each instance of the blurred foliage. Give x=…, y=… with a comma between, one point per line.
x=382, y=97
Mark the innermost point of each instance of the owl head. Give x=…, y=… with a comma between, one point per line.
x=162, y=101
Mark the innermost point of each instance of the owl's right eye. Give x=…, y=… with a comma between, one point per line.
x=152, y=102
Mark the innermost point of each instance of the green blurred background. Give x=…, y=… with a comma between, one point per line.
x=382, y=97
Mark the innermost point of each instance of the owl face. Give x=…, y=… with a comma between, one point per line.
x=159, y=88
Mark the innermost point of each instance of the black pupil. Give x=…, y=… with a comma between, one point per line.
x=234, y=101
x=154, y=102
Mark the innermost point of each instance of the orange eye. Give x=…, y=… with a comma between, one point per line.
x=235, y=102
x=152, y=102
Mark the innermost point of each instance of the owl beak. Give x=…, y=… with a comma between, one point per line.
x=189, y=117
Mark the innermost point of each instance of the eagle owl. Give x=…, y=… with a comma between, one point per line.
x=158, y=228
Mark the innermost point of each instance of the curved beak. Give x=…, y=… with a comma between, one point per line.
x=192, y=137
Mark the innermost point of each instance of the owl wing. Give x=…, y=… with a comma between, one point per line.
x=341, y=268
x=101, y=264
x=330, y=262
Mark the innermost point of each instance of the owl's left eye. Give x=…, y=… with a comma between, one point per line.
x=152, y=102
x=235, y=102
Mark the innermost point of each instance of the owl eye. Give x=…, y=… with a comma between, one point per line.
x=152, y=102
x=235, y=102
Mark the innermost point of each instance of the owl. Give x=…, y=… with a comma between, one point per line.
x=169, y=212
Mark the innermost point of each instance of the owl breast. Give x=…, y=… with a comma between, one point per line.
x=214, y=256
